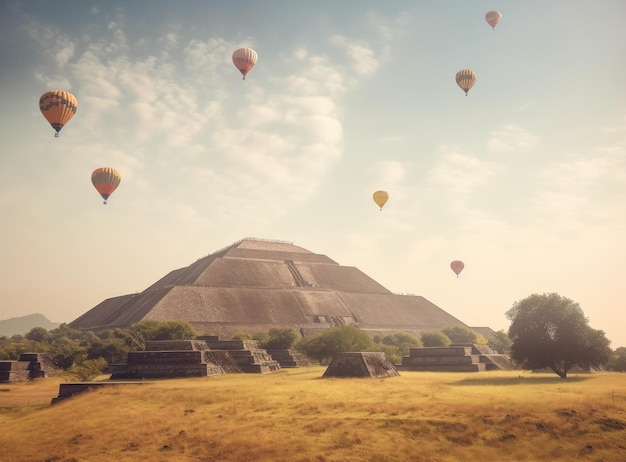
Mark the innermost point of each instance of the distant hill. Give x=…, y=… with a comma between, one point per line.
x=23, y=324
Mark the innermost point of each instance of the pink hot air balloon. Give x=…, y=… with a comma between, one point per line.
x=244, y=59
x=457, y=266
x=493, y=17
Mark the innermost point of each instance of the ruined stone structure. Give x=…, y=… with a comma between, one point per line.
x=173, y=358
x=455, y=358
x=246, y=353
x=69, y=389
x=290, y=358
x=255, y=285
x=29, y=366
x=361, y=364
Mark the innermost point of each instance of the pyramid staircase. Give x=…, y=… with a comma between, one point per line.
x=246, y=353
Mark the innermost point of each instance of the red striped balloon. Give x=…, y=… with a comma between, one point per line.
x=244, y=59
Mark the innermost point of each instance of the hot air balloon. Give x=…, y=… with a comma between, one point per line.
x=105, y=180
x=466, y=78
x=58, y=107
x=244, y=59
x=493, y=17
x=381, y=198
x=457, y=266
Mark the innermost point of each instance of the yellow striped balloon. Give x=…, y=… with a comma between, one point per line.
x=244, y=59
x=58, y=107
x=105, y=180
x=466, y=78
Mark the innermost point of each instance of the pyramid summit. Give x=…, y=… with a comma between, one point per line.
x=255, y=285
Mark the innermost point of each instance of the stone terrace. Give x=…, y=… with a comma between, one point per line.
x=170, y=358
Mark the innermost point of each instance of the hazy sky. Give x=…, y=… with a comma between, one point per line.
x=524, y=179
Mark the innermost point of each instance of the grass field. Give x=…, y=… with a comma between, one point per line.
x=296, y=415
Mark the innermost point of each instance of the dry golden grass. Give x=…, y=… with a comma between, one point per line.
x=295, y=415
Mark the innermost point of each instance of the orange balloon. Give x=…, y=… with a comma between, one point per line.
x=58, y=107
x=381, y=198
x=105, y=180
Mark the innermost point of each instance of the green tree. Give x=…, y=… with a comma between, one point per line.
x=435, y=339
x=38, y=334
x=89, y=369
x=402, y=341
x=500, y=343
x=463, y=335
x=145, y=330
x=327, y=344
x=618, y=360
x=281, y=339
x=112, y=350
x=392, y=352
x=551, y=331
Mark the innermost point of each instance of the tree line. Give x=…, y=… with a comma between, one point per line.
x=547, y=331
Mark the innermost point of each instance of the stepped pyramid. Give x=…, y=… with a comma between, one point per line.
x=255, y=285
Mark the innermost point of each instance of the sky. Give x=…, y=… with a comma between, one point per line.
x=523, y=179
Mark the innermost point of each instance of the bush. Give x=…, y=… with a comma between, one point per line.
x=402, y=341
x=463, y=335
x=435, y=339
x=281, y=339
x=89, y=369
x=324, y=346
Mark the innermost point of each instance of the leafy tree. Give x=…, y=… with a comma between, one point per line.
x=551, y=331
x=65, y=352
x=463, y=335
x=435, y=339
x=618, y=360
x=392, y=352
x=145, y=330
x=281, y=339
x=402, y=341
x=112, y=350
x=38, y=334
x=324, y=346
x=89, y=369
x=500, y=343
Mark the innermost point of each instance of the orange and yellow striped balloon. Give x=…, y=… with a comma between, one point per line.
x=58, y=107
x=466, y=78
x=105, y=180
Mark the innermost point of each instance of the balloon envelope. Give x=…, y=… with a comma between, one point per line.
x=466, y=78
x=381, y=198
x=244, y=59
x=105, y=180
x=457, y=266
x=58, y=107
x=493, y=17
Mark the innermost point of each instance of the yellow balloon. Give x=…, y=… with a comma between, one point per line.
x=381, y=198
x=466, y=78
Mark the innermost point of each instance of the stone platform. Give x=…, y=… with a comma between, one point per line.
x=455, y=358
x=29, y=366
x=173, y=358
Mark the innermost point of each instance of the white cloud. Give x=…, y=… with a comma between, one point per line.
x=511, y=138
x=362, y=57
x=457, y=174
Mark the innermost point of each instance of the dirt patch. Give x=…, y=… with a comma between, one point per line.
x=609, y=424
